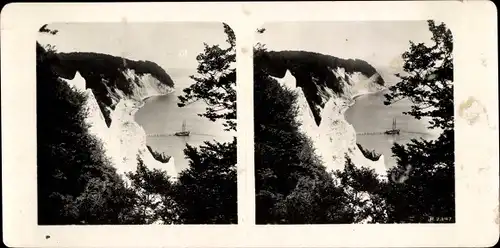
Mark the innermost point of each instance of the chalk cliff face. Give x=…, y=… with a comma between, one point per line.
x=124, y=140
x=326, y=86
x=113, y=78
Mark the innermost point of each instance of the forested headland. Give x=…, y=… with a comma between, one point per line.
x=293, y=186
x=77, y=183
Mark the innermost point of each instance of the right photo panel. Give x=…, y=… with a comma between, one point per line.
x=354, y=122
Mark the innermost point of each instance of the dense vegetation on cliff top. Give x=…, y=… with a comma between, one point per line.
x=210, y=188
x=77, y=183
x=426, y=168
x=291, y=184
x=108, y=66
x=206, y=192
x=312, y=71
x=278, y=61
x=104, y=74
x=420, y=188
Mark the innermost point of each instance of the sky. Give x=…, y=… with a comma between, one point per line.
x=380, y=43
x=175, y=45
x=170, y=45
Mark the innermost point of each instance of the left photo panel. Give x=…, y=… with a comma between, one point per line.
x=136, y=123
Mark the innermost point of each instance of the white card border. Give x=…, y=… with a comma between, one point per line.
x=473, y=24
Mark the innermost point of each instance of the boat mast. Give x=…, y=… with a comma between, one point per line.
x=184, y=125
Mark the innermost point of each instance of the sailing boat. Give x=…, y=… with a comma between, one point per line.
x=183, y=132
x=394, y=130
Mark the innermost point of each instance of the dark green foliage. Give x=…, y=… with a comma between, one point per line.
x=372, y=155
x=423, y=182
x=104, y=74
x=105, y=201
x=159, y=156
x=82, y=187
x=216, y=84
x=152, y=195
x=291, y=60
x=316, y=201
x=312, y=71
x=274, y=117
x=421, y=187
x=206, y=192
x=428, y=79
x=366, y=192
x=76, y=182
x=44, y=29
x=109, y=67
x=292, y=187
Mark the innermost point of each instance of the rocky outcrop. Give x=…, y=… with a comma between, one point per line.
x=320, y=76
x=331, y=90
x=124, y=140
x=112, y=78
x=334, y=137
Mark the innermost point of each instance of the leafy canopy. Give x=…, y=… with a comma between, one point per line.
x=422, y=188
x=76, y=182
x=216, y=84
x=206, y=192
x=428, y=79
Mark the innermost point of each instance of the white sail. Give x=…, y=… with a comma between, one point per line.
x=183, y=132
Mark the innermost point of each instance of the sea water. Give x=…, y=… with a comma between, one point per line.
x=370, y=115
x=161, y=115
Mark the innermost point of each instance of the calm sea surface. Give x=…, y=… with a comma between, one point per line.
x=161, y=115
x=369, y=114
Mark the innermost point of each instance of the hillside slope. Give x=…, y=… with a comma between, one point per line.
x=326, y=86
x=111, y=78
x=114, y=88
x=320, y=76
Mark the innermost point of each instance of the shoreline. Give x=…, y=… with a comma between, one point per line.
x=138, y=105
x=353, y=98
x=426, y=134
x=131, y=107
x=382, y=158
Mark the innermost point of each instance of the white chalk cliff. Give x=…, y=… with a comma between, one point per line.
x=334, y=136
x=124, y=139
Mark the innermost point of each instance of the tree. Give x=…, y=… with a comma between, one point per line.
x=206, y=192
x=429, y=80
x=316, y=201
x=291, y=184
x=71, y=164
x=422, y=187
x=105, y=201
x=76, y=182
x=365, y=192
x=153, y=195
x=216, y=85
